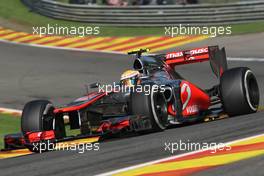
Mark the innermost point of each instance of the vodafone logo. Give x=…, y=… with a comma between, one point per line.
x=199, y=51
x=192, y=109
x=190, y=58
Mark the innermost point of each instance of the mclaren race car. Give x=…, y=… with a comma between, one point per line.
x=169, y=100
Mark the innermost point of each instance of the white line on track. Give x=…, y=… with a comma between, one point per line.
x=10, y=111
x=19, y=112
x=61, y=48
x=246, y=59
x=173, y=157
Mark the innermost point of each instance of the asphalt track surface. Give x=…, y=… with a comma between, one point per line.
x=28, y=73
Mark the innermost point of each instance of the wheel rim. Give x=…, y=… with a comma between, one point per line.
x=48, y=118
x=159, y=108
x=252, y=90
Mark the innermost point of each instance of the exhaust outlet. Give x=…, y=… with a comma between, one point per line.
x=168, y=94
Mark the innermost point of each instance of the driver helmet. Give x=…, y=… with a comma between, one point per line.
x=129, y=78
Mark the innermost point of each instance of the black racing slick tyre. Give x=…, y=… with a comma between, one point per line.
x=37, y=115
x=239, y=91
x=151, y=105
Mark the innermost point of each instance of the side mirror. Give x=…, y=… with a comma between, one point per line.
x=94, y=85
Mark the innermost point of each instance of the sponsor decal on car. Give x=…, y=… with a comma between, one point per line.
x=187, y=53
x=199, y=51
x=174, y=55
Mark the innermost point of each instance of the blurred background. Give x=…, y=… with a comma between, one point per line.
x=138, y=13
x=146, y=2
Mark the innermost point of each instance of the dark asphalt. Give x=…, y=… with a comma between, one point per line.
x=29, y=73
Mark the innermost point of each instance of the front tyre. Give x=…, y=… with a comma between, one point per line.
x=239, y=91
x=37, y=115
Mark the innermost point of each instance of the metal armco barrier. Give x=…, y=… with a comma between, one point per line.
x=202, y=14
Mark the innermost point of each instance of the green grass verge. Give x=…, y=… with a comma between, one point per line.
x=11, y=124
x=15, y=12
x=8, y=124
x=248, y=28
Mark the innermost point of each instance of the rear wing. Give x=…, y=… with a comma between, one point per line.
x=216, y=56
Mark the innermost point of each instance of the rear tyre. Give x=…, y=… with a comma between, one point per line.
x=153, y=106
x=239, y=91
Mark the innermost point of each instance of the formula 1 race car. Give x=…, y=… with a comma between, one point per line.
x=169, y=100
